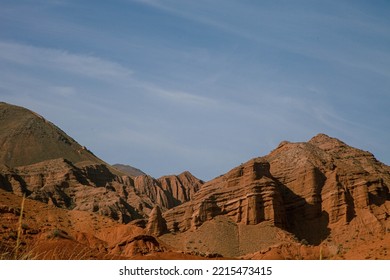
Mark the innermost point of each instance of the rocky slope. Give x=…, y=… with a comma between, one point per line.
x=49, y=232
x=319, y=190
x=315, y=199
x=27, y=138
x=93, y=188
x=39, y=160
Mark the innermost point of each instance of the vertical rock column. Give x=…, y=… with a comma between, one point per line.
x=156, y=224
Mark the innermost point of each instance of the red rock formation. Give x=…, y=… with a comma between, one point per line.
x=91, y=187
x=182, y=187
x=319, y=190
x=168, y=191
x=156, y=223
x=311, y=189
x=247, y=194
x=333, y=184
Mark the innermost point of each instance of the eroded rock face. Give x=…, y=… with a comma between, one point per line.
x=60, y=183
x=247, y=194
x=90, y=187
x=156, y=223
x=181, y=187
x=168, y=191
x=333, y=186
x=309, y=189
x=313, y=189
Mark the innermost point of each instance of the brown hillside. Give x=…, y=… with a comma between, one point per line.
x=48, y=232
x=27, y=138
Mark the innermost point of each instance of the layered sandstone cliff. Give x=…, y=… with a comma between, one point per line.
x=310, y=189
x=315, y=191
x=92, y=187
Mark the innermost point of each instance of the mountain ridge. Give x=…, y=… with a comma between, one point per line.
x=317, y=194
x=41, y=161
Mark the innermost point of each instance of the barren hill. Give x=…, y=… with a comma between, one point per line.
x=27, y=138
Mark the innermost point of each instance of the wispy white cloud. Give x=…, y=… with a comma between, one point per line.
x=84, y=65
x=273, y=104
x=60, y=60
x=296, y=31
x=180, y=97
x=176, y=8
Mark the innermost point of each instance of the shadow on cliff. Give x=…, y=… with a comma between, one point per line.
x=306, y=221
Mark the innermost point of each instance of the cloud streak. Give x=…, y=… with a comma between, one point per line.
x=280, y=28
x=60, y=60
x=91, y=67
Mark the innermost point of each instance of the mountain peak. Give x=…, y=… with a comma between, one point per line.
x=323, y=138
x=27, y=138
x=326, y=142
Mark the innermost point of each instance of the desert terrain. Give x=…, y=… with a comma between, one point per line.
x=320, y=199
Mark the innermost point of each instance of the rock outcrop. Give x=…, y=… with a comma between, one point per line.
x=309, y=189
x=333, y=186
x=247, y=194
x=156, y=223
x=168, y=191
x=181, y=187
x=91, y=187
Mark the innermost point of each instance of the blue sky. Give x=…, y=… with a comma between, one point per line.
x=175, y=85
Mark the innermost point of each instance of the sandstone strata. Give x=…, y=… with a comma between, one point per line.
x=156, y=223
x=317, y=192
x=92, y=187
x=310, y=189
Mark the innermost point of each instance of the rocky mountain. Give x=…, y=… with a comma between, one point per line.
x=39, y=160
x=315, y=199
x=317, y=191
x=168, y=191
